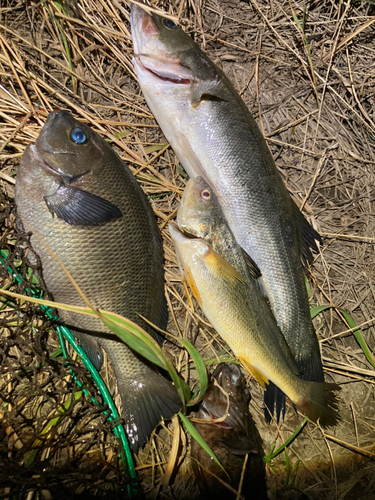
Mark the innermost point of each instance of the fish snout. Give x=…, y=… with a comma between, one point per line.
x=142, y=26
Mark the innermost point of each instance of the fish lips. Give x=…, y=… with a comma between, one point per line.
x=43, y=164
x=66, y=178
x=229, y=384
x=149, y=56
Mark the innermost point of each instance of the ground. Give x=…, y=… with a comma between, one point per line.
x=306, y=72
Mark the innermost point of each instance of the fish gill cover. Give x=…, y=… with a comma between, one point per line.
x=321, y=133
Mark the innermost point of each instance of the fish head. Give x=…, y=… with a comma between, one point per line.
x=199, y=213
x=227, y=395
x=164, y=53
x=66, y=171
x=187, y=248
x=70, y=148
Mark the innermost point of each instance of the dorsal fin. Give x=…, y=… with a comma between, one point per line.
x=253, y=269
x=307, y=234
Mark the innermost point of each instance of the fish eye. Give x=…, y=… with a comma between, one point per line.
x=205, y=194
x=168, y=23
x=78, y=136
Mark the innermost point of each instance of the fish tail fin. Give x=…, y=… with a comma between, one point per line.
x=144, y=408
x=320, y=402
x=146, y=395
x=273, y=395
x=310, y=367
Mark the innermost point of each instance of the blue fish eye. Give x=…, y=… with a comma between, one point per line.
x=78, y=136
x=168, y=23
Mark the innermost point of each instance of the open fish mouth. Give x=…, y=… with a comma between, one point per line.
x=170, y=73
x=184, y=232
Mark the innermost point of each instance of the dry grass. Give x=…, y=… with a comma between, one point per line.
x=312, y=89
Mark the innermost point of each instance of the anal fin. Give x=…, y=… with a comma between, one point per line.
x=259, y=377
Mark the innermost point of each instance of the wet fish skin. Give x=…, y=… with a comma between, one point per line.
x=200, y=215
x=214, y=136
x=108, y=239
x=230, y=440
x=228, y=303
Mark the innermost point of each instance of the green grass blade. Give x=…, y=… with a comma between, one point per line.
x=127, y=331
x=65, y=407
x=273, y=454
x=195, y=434
x=201, y=369
x=358, y=336
x=314, y=311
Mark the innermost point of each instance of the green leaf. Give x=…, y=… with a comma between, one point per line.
x=118, y=136
x=158, y=147
x=314, y=311
x=358, y=336
x=137, y=342
x=195, y=434
x=182, y=173
x=29, y=457
x=127, y=331
x=201, y=369
x=273, y=454
x=62, y=410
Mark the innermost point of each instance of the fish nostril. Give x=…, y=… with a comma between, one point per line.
x=148, y=25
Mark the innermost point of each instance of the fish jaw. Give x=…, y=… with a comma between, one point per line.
x=150, y=51
x=166, y=79
x=72, y=161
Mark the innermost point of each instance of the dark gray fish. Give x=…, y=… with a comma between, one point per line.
x=230, y=440
x=76, y=193
x=215, y=136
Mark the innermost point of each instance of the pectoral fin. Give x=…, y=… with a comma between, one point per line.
x=189, y=159
x=222, y=267
x=259, y=377
x=80, y=208
x=191, y=282
x=204, y=89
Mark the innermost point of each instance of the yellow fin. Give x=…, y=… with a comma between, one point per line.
x=259, y=377
x=216, y=262
x=191, y=282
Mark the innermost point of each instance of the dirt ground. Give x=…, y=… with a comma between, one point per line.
x=306, y=71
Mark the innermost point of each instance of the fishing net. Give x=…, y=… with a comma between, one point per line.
x=305, y=70
x=54, y=440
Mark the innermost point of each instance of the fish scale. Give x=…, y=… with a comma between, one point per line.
x=214, y=136
x=117, y=263
x=233, y=307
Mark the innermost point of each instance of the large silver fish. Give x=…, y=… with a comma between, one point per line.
x=214, y=136
x=76, y=193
